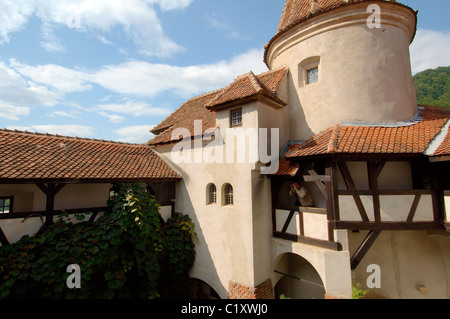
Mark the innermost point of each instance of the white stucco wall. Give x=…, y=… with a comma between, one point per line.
x=408, y=260
x=29, y=198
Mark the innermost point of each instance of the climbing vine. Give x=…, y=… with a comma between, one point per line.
x=127, y=253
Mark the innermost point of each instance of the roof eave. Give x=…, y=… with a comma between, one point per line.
x=260, y=97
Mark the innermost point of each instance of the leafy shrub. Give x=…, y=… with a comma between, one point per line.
x=357, y=292
x=127, y=253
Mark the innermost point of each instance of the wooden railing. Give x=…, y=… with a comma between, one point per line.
x=388, y=210
x=307, y=225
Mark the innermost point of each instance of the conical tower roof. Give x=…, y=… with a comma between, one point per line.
x=298, y=10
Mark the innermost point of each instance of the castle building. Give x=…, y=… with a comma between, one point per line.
x=319, y=174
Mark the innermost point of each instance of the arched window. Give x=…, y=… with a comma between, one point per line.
x=212, y=194
x=228, y=195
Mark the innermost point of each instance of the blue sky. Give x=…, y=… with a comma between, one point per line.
x=112, y=69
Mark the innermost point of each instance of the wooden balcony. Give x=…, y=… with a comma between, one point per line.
x=388, y=210
x=372, y=209
x=307, y=225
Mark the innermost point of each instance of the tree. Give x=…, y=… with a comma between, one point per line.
x=433, y=87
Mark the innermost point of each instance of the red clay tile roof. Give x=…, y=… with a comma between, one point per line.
x=296, y=11
x=246, y=86
x=444, y=148
x=197, y=108
x=41, y=157
x=412, y=138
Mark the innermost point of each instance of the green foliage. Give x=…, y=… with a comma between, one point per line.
x=127, y=253
x=283, y=296
x=433, y=87
x=357, y=292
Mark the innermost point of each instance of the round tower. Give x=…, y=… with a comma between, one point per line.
x=349, y=61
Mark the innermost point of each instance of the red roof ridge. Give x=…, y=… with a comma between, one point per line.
x=259, y=87
x=5, y=130
x=161, y=129
x=332, y=146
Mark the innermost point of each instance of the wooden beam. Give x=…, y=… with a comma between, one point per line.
x=50, y=190
x=389, y=225
x=313, y=210
x=316, y=178
x=54, y=213
x=379, y=167
x=352, y=188
x=364, y=248
x=414, y=206
x=321, y=178
x=288, y=221
x=332, y=199
x=372, y=172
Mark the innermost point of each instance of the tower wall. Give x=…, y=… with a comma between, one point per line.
x=364, y=73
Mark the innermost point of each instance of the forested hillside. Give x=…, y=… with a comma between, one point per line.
x=433, y=87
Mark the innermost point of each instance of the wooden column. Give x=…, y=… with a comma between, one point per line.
x=352, y=188
x=50, y=191
x=364, y=248
x=332, y=199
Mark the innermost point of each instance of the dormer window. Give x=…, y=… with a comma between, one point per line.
x=236, y=117
x=312, y=75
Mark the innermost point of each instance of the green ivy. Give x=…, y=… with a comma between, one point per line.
x=127, y=253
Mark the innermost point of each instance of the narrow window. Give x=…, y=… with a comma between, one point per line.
x=312, y=75
x=212, y=194
x=236, y=117
x=6, y=205
x=228, y=192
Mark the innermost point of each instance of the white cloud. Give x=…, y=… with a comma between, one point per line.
x=24, y=86
x=138, y=19
x=430, y=50
x=167, y=5
x=14, y=15
x=65, y=130
x=135, y=134
x=148, y=80
x=62, y=79
x=11, y=112
x=133, y=108
x=114, y=118
x=17, y=92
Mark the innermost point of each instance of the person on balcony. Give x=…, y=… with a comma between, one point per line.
x=303, y=197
